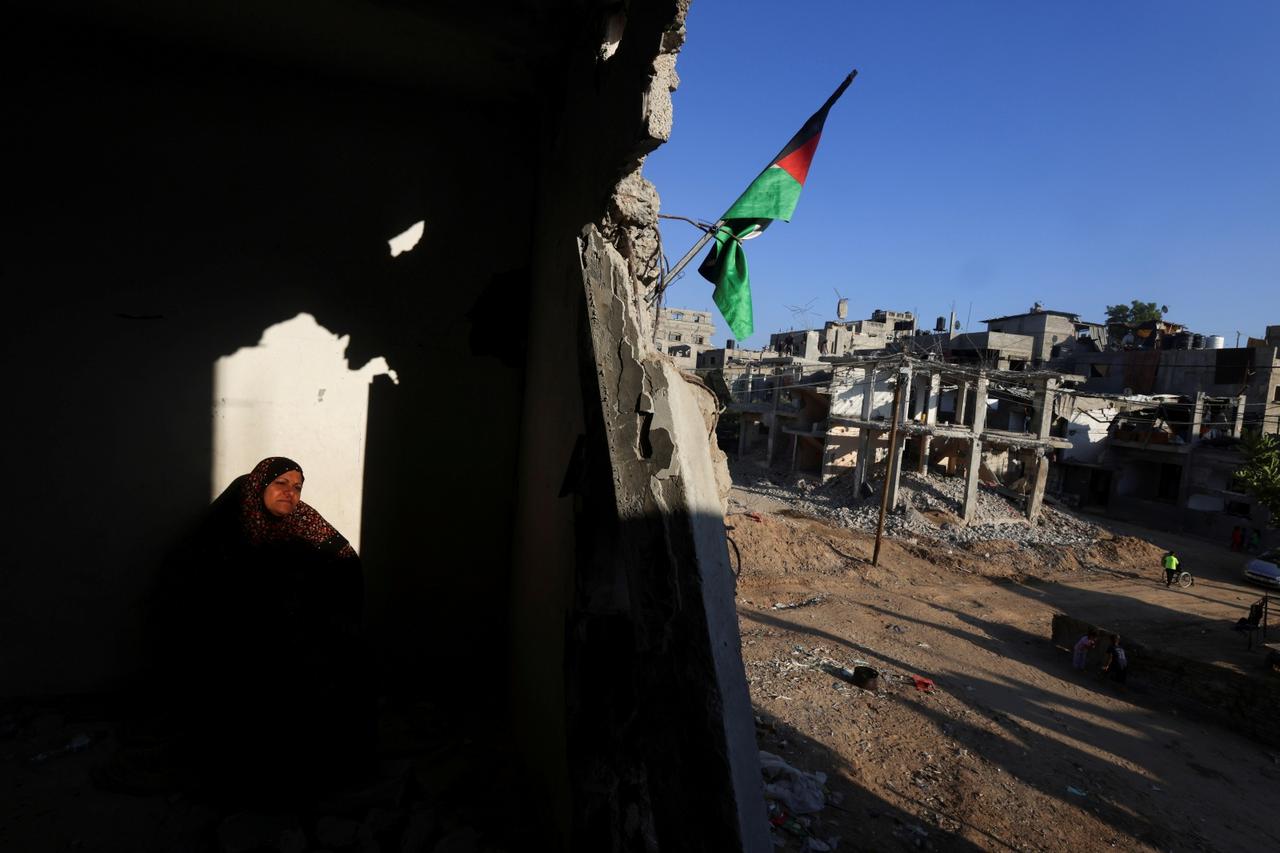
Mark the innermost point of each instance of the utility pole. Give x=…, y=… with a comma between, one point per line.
x=884, y=491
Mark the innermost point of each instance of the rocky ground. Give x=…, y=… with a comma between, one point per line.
x=978, y=735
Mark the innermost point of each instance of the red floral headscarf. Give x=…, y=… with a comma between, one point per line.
x=304, y=523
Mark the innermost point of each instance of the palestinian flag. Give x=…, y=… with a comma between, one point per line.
x=772, y=195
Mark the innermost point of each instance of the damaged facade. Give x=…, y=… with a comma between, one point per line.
x=683, y=334
x=952, y=420
x=1143, y=420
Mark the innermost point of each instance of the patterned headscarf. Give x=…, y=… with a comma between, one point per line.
x=304, y=523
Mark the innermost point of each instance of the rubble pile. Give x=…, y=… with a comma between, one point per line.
x=996, y=518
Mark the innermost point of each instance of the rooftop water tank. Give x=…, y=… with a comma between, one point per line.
x=1215, y=342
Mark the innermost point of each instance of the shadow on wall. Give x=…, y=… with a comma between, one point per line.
x=176, y=204
x=296, y=391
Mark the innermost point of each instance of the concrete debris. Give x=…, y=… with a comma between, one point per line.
x=808, y=602
x=635, y=201
x=928, y=507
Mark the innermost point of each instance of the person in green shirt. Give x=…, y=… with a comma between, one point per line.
x=1170, y=568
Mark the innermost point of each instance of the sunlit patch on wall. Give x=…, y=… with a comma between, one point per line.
x=407, y=239
x=295, y=395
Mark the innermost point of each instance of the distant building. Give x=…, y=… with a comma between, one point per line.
x=1050, y=332
x=724, y=356
x=842, y=337
x=683, y=334
x=1249, y=372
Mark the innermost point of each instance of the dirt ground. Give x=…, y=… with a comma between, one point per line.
x=1010, y=749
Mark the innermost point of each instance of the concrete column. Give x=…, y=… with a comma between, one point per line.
x=795, y=446
x=864, y=434
x=972, y=466
x=776, y=383
x=1238, y=428
x=920, y=398
x=962, y=403
x=1035, y=498
x=974, y=463
x=894, y=472
x=1197, y=419
x=931, y=402
x=980, y=406
x=744, y=429
x=905, y=376
x=1042, y=416
x=932, y=393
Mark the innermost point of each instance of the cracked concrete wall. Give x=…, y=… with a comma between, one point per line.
x=626, y=648
x=673, y=566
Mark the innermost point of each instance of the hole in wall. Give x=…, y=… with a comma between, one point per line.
x=407, y=239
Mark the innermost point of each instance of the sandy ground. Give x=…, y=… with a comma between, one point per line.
x=1011, y=749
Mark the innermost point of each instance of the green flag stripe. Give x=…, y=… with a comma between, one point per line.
x=773, y=195
x=726, y=266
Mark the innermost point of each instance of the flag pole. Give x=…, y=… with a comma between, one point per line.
x=688, y=256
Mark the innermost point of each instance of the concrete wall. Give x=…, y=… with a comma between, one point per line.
x=683, y=339
x=180, y=200
x=719, y=357
x=848, y=387
x=841, y=452
x=804, y=343
x=296, y=390
x=1046, y=331
x=175, y=205
x=1186, y=372
x=1088, y=432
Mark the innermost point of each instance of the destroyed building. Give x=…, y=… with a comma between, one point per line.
x=988, y=426
x=684, y=334
x=1174, y=415
x=555, y=578
x=841, y=337
x=728, y=355
x=1035, y=339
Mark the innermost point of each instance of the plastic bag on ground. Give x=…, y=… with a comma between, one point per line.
x=798, y=791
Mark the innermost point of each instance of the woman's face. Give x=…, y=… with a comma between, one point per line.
x=282, y=494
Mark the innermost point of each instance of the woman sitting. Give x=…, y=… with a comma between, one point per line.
x=277, y=694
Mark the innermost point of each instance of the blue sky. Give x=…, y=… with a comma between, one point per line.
x=990, y=154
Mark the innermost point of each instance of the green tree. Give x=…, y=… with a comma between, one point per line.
x=1134, y=313
x=1260, y=474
